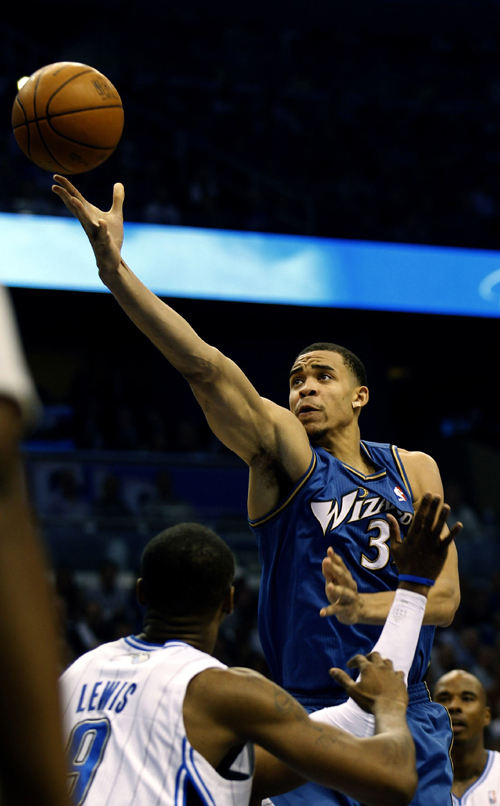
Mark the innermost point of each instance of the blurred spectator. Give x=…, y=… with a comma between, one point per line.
x=68, y=590
x=162, y=507
x=461, y=510
x=110, y=596
x=66, y=496
x=110, y=504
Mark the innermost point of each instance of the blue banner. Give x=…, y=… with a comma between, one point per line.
x=53, y=252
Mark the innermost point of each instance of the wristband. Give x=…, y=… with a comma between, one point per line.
x=416, y=580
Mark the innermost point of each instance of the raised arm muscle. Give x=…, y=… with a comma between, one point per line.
x=236, y=413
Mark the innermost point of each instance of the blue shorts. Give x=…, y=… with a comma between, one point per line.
x=429, y=724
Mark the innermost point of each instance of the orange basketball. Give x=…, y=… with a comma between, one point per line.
x=67, y=118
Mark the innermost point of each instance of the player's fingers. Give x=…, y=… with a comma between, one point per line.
x=68, y=186
x=441, y=521
x=379, y=660
x=453, y=533
x=339, y=594
x=422, y=512
x=63, y=195
x=361, y=662
x=334, y=570
x=118, y=198
x=79, y=210
x=432, y=513
x=327, y=569
x=337, y=560
x=341, y=677
x=394, y=532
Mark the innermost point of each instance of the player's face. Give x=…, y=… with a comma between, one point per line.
x=322, y=391
x=463, y=695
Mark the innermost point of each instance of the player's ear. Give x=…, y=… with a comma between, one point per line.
x=139, y=592
x=487, y=716
x=360, y=397
x=228, y=602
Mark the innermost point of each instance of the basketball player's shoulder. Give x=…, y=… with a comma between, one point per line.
x=219, y=680
x=422, y=470
x=91, y=658
x=228, y=695
x=417, y=459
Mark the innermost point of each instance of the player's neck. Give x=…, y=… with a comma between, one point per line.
x=469, y=761
x=345, y=445
x=201, y=635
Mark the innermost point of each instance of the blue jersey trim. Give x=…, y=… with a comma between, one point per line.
x=202, y=784
x=274, y=512
x=136, y=643
x=379, y=474
x=148, y=646
x=484, y=774
x=184, y=776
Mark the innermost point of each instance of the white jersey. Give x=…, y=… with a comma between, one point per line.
x=486, y=790
x=127, y=744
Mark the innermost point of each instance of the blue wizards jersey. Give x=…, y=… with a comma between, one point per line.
x=331, y=505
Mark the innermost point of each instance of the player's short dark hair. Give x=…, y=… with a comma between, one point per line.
x=186, y=570
x=351, y=360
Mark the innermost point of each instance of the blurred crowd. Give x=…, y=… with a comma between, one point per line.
x=104, y=608
x=310, y=129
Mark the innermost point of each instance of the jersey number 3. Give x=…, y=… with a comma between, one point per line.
x=86, y=747
x=378, y=541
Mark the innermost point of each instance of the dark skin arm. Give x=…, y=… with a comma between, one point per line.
x=32, y=764
x=226, y=708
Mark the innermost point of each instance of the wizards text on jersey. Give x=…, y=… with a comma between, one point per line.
x=331, y=505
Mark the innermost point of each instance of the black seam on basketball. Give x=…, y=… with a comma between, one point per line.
x=70, y=139
x=26, y=123
x=78, y=142
x=38, y=127
x=71, y=112
x=68, y=81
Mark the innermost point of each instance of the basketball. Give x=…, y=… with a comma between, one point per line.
x=67, y=118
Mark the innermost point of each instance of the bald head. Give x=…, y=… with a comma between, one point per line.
x=463, y=694
x=460, y=679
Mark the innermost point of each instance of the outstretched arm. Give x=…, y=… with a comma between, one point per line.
x=240, y=705
x=245, y=422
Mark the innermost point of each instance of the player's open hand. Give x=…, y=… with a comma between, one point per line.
x=341, y=590
x=377, y=685
x=104, y=230
x=424, y=550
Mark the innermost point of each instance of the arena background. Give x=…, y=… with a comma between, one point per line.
x=372, y=121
